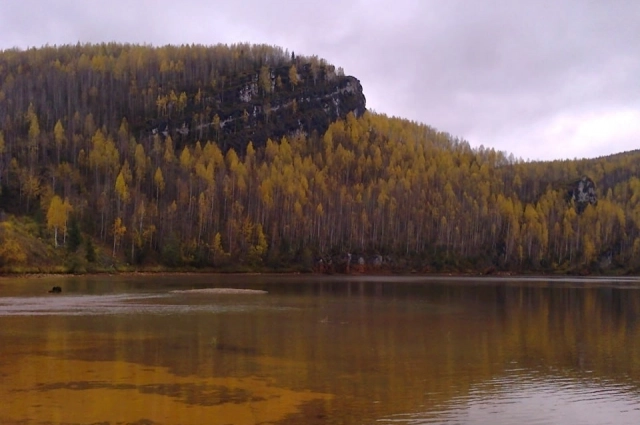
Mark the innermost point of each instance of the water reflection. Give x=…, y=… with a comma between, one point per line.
x=52, y=390
x=318, y=350
x=523, y=398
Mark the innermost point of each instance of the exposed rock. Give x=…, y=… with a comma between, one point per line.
x=350, y=263
x=583, y=193
x=247, y=113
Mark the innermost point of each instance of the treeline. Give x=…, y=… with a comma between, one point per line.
x=373, y=186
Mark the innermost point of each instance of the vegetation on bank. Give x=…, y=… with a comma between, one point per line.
x=86, y=188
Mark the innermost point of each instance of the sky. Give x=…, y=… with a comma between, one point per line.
x=543, y=79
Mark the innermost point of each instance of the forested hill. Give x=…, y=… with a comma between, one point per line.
x=230, y=94
x=246, y=157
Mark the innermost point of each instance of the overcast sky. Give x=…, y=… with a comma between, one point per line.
x=542, y=79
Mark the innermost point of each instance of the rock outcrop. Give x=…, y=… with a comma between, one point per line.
x=583, y=193
x=254, y=107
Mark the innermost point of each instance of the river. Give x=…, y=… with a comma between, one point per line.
x=295, y=349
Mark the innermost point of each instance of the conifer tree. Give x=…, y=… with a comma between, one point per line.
x=75, y=236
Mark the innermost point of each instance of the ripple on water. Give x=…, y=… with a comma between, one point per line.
x=535, y=399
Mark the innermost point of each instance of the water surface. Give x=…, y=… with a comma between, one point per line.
x=316, y=349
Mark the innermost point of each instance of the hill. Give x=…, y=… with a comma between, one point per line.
x=230, y=94
x=250, y=157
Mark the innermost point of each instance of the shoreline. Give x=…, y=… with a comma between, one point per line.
x=386, y=273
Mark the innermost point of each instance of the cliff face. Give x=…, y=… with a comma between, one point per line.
x=264, y=104
x=227, y=94
x=583, y=193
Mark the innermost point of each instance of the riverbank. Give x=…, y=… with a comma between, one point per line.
x=24, y=251
x=185, y=271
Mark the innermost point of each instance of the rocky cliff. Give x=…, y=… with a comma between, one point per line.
x=267, y=103
x=230, y=94
x=582, y=193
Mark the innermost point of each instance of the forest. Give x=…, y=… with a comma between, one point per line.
x=241, y=158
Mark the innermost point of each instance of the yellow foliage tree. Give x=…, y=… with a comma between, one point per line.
x=119, y=229
x=158, y=179
x=293, y=77
x=57, y=216
x=11, y=252
x=219, y=255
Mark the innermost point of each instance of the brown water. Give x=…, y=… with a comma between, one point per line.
x=319, y=350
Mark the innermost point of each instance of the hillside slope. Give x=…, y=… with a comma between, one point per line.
x=230, y=94
x=250, y=157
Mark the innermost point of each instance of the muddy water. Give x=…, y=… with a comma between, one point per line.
x=182, y=350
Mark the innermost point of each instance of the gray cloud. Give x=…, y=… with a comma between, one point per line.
x=544, y=79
